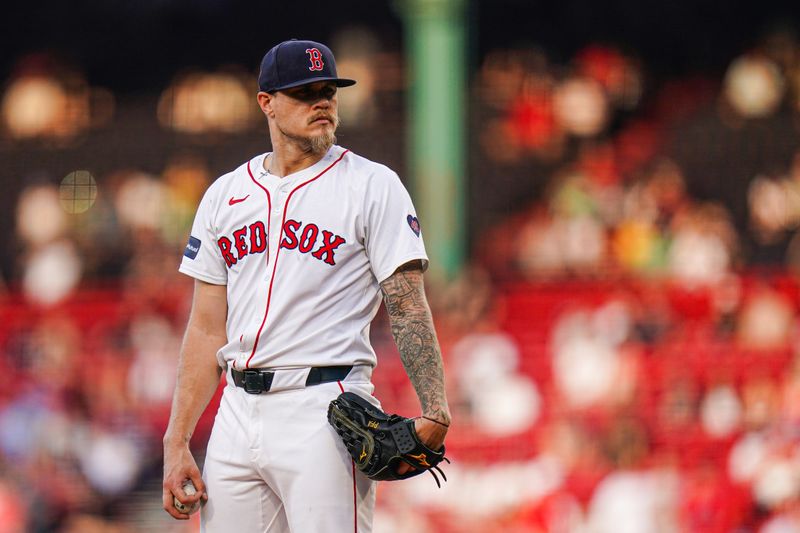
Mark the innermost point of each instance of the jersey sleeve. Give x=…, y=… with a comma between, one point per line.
x=201, y=258
x=393, y=233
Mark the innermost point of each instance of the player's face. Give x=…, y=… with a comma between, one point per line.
x=308, y=113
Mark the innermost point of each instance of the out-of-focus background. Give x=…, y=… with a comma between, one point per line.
x=619, y=321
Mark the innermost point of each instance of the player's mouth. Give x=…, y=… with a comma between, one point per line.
x=321, y=119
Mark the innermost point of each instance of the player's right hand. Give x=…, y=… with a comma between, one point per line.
x=431, y=434
x=179, y=465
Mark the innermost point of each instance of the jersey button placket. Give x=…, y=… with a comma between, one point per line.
x=276, y=221
x=280, y=197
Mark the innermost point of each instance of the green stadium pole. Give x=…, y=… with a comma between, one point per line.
x=436, y=52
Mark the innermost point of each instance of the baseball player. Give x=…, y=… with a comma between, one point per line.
x=291, y=253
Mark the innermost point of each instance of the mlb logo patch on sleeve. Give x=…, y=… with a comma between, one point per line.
x=192, y=247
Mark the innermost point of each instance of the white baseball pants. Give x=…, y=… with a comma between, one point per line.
x=275, y=465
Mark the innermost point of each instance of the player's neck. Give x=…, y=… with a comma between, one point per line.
x=288, y=158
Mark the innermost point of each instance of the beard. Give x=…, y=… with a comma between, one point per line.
x=316, y=144
x=320, y=144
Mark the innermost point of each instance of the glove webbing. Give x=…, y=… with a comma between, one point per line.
x=405, y=443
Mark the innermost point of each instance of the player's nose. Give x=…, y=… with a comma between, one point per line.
x=322, y=103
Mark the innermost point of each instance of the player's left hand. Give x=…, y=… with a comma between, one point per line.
x=379, y=442
x=431, y=434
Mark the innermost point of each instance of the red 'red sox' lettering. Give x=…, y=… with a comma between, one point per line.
x=235, y=250
x=239, y=242
x=330, y=242
x=307, y=239
x=252, y=239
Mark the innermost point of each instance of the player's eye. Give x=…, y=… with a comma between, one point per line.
x=307, y=94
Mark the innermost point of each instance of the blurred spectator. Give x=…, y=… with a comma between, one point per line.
x=141, y=201
x=746, y=455
x=110, y=462
x=52, y=272
x=51, y=266
x=761, y=402
x=776, y=483
x=720, y=411
x=501, y=400
x=208, y=103
x=635, y=501
x=571, y=239
x=518, y=83
x=703, y=246
x=643, y=234
x=358, y=51
x=186, y=178
x=46, y=99
x=581, y=107
x=766, y=320
x=620, y=76
x=40, y=218
x=753, y=86
x=588, y=366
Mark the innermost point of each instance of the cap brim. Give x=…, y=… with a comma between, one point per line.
x=340, y=82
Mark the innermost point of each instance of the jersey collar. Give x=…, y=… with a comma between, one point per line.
x=257, y=163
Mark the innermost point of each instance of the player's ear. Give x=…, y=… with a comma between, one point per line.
x=265, y=103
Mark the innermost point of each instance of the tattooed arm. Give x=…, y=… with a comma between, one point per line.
x=413, y=332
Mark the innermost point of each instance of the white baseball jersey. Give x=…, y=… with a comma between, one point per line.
x=302, y=257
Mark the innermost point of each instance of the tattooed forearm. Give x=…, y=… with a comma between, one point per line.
x=414, y=334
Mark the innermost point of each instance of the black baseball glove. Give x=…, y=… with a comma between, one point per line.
x=379, y=442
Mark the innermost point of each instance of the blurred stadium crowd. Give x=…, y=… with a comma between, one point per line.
x=622, y=347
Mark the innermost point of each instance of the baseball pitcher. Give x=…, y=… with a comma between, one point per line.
x=291, y=254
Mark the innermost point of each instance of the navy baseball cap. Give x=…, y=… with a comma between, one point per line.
x=294, y=63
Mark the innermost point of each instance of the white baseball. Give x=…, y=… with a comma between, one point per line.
x=188, y=488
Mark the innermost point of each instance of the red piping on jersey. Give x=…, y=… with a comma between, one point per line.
x=278, y=251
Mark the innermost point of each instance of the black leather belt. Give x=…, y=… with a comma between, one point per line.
x=256, y=381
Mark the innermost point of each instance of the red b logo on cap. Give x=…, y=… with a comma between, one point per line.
x=315, y=57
